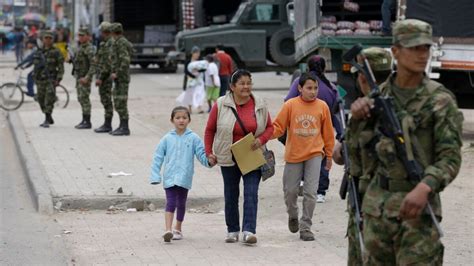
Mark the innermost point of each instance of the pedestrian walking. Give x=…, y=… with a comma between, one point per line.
x=84, y=67
x=358, y=137
x=213, y=83
x=195, y=93
x=225, y=68
x=175, y=153
x=19, y=42
x=103, y=79
x=121, y=56
x=310, y=137
x=221, y=131
x=328, y=93
x=48, y=72
x=398, y=229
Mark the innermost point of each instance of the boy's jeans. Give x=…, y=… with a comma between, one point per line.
x=291, y=181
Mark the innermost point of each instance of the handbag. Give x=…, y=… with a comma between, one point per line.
x=268, y=169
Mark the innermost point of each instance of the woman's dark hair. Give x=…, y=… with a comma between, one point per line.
x=317, y=64
x=305, y=77
x=180, y=109
x=238, y=74
x=210, y=58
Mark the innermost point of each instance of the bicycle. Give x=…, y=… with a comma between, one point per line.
x=12, y=94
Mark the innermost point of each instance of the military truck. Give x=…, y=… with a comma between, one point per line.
x=452, y=57
x=151, y=27
x=258, y=37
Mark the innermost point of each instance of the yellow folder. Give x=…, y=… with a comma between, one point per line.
x=247, y=159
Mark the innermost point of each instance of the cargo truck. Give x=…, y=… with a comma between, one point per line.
x=452, y=61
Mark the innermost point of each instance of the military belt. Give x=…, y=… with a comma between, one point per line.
x=393, y=185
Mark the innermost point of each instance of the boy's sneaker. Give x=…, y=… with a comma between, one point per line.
x=249, y=238
x=306, y=235
x=320, y=198
x=168, y=236
x=293, y=225
x=232, y=237
x=177, y=235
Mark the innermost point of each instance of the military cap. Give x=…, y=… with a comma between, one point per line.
x=116, y=27
x=47, y=33
x=105, y=26
x=83, y=31
x=379, y=59
x=412, y=32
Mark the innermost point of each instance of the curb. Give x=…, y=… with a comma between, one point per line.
x=46, y=203
x=34, y=171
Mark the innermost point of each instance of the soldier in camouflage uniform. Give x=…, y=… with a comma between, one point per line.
x=121, y=53
x=84, y=70
x=104, y=81
x=397, y=228
x=48, y=72
x=357, y=137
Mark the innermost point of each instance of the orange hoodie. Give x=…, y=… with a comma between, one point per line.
x=310, y=131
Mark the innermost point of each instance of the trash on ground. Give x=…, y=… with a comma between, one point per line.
x=121, y=173
x=131, y=210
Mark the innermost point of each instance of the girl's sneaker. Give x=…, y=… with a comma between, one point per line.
x=249, y=238
x=168, y=236
x=177, y=235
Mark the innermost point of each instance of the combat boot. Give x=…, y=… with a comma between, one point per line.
x=86, y=122
x=122, y=130
x=49, y=117
x=106, y=127
x=45, y=124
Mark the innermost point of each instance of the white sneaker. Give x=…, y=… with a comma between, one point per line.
x=320, y=198
x=249, y=238
x=177, y=235
x=232, y=237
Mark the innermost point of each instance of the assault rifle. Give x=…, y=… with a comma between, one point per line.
x=384, y=108
x=348, y=183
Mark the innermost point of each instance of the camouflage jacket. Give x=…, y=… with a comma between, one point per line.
x=121, y=56
x=434, y=123
x=84, y=62
x=48, y=64
x=103, y=59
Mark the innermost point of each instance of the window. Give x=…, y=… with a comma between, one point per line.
x=265, y=12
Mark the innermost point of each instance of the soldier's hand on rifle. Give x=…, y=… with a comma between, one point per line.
x=328, y=164
x=83, y=81
x=337, y=153
x=360, y=108
x=56, y=82
x=113, y=76
x=98, y=82
x=414, y=202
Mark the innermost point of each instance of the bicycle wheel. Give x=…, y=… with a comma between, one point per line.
x=62, y=97
x=11, y=96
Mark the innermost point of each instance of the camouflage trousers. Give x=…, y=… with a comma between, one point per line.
x=83, y=97
x=390, y=241
x=354, y=257
x=105, y=92
x=120, y=96
x=46, y=96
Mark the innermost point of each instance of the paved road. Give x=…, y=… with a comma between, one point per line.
x=26, y=237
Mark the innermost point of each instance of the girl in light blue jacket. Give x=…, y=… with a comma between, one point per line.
x=176, y=152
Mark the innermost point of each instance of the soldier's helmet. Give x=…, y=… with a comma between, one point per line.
x=412, y=32
x=105, y=26
x=379, y=59
x=47, y=33
x=116, y=27
x=83, y=31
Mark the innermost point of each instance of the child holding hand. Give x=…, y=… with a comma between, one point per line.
x=175, y=153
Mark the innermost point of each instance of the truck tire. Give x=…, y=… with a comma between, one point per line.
x=144, y=65
x=282, y=47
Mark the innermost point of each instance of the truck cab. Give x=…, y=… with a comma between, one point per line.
x=258, y=37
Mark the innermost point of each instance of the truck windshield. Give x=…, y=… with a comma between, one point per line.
x=239, y=12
